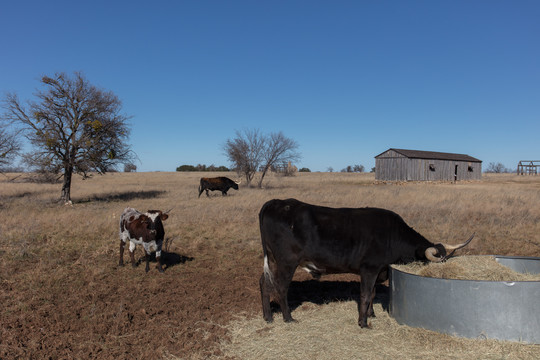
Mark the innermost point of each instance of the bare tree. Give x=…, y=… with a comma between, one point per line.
x=246, y=152
x=9, y=145
x=497, y=168
x=278, y=149
x=130, y=167
x=74, y=128
x=355, y=168
x=251, y=151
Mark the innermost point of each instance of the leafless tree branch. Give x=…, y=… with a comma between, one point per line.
x=250, y=151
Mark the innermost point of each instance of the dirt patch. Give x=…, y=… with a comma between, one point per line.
x=124, y=313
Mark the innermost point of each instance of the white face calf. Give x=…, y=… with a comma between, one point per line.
x=143, y=229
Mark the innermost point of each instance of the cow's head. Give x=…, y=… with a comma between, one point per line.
x=235, y=184
x=152, y=221
x=440, y=252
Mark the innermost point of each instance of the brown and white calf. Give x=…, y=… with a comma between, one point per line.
x=146, y=229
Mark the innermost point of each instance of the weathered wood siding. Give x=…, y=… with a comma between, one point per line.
x=393, y=166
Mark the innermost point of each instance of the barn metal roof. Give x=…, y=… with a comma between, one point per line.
x=419, y=154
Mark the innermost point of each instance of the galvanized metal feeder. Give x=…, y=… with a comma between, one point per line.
x=471, y=308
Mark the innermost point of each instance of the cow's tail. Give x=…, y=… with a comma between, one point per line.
x=266, y=268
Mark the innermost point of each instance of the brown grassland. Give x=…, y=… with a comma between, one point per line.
x=64, y=296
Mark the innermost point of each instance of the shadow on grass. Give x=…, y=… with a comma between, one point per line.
x=217, y=194
x=125, y=196
x=168, y=259
x=324, y=292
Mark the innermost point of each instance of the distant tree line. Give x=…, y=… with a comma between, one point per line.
x=349, y=169
x=201, y=167
x=497, y=168
x=353, y=168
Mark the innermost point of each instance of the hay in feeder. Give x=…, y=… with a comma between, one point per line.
x=467, y=268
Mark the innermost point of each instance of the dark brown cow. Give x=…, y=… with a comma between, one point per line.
x=146, y=229
x=221, y=183
x=323, y=240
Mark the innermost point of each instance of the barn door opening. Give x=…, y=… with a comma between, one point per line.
x=455, y=173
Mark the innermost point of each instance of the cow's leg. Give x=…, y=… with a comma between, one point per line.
x=132, y=253
x=370, y=312
x=147, y=260
x=266, y=285
x=200, y=191
x=382, y=277
x=207, y=193
x=158, y=256
x=281, y=285
x=124, y=237
x=224, y=193
x=121, y=261
x=367, y=288
x=265, y=297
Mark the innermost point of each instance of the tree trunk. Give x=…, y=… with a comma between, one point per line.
x=66, y=186
x=249, y=176
x=262, y=176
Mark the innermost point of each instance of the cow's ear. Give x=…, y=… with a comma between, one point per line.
x=163, y=216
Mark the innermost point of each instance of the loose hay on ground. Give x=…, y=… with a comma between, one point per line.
x=467, y=268
x=330, y=331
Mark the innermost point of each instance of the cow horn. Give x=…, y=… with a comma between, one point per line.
x=453, y=248
x=238, y=182
x=430, y=255
x=431, y=252
x=168, y=211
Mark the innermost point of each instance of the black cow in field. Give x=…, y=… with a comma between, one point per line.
x=146, y=229
x=323, y=240
x=221, y=183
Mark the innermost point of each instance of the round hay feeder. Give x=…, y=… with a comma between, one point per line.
x=471, y=308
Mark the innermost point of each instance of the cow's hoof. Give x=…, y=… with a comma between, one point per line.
x=364, y=325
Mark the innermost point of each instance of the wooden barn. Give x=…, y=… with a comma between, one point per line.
x=415, y=165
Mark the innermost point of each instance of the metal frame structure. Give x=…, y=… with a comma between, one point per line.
x=528, y=167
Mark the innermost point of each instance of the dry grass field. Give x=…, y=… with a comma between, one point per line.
x=64, y=296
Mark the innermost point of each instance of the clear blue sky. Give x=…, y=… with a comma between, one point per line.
x=346, y=79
